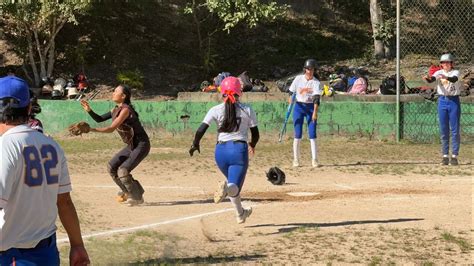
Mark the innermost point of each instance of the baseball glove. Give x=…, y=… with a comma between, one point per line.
x=79, y=128
x=276, y=176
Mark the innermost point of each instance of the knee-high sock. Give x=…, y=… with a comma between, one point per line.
x=237, y=204
x=314, y=149
x=296, y=149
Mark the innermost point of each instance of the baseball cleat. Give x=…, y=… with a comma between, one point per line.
x=241, y=218
x=221, y=192
x=296, y=164
x=445, y=161
x=454, y=161
x=121, y=197
x=315, y=163
x=134, y=202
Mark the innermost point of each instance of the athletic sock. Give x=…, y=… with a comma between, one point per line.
x=314, y=149
x=296, y=149
x=237, y=204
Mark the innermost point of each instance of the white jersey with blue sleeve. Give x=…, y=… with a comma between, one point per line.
x=246, y=119
x=446, y=87
x=305, y=89
x=33, y=172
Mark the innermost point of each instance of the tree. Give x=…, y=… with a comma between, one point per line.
x=383, y=28
x=33, y=27
x=229, y=14
x=376, y=19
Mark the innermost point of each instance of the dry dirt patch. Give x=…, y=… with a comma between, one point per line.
x=383, y=211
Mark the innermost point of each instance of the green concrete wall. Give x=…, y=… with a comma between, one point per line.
x=376, y=119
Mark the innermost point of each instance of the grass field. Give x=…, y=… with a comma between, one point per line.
x=370, y=203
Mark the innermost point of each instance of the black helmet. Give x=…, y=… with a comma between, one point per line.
x=310, y=63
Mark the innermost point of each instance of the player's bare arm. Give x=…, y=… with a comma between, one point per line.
x=67, y=214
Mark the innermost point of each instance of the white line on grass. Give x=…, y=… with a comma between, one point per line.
x=146, y=226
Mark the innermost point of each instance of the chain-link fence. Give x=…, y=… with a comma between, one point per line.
x=420, y=122
x=432, y=27
x=429, y=28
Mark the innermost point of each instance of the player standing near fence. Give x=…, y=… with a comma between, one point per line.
x=125, y=120
x=233, y=120
x=308, y=92
x=34, y=187
x=448, y=87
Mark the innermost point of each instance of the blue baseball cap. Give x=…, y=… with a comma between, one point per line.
x=16, y=88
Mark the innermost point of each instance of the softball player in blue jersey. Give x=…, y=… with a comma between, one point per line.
x=308, y=91
x=448, y=87
x=233, y=120
x=34, y=187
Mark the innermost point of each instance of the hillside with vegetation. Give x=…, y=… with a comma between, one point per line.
x=165, y=49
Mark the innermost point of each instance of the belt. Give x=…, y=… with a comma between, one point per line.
x=234, y=141
x=42, y=244
x=448, y=96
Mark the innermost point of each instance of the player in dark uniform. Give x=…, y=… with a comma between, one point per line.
x=34, y=122
x=125, y=120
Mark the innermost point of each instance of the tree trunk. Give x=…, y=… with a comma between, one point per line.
x=388, y=51
x=51, y=58
x=50, y=49
x=41, y=55
x=25, y=71
x=197, y=23
x=31, y=56
x=376, y=19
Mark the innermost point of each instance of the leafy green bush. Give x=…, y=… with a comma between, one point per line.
x=133, y=78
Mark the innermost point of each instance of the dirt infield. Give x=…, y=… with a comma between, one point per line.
x=370, y=203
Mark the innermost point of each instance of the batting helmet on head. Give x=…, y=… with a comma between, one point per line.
x=446, y=58
x=310, y=64
x=231, y=85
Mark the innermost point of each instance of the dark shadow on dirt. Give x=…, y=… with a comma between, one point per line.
x=201, y=260
x=384, y=163
x=204, y=201
x=286, y=228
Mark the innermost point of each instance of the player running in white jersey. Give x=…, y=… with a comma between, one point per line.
x=233, y=120
x=34, y=187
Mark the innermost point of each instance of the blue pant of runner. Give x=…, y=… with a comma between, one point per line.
x=301, y=111
x=45, y=253
x=232, y=158
x=449, y=114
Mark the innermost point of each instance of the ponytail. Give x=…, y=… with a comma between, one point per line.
x=128, y=97
x=230, y=122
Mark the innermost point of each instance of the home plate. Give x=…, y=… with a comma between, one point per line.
x=303, y=194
